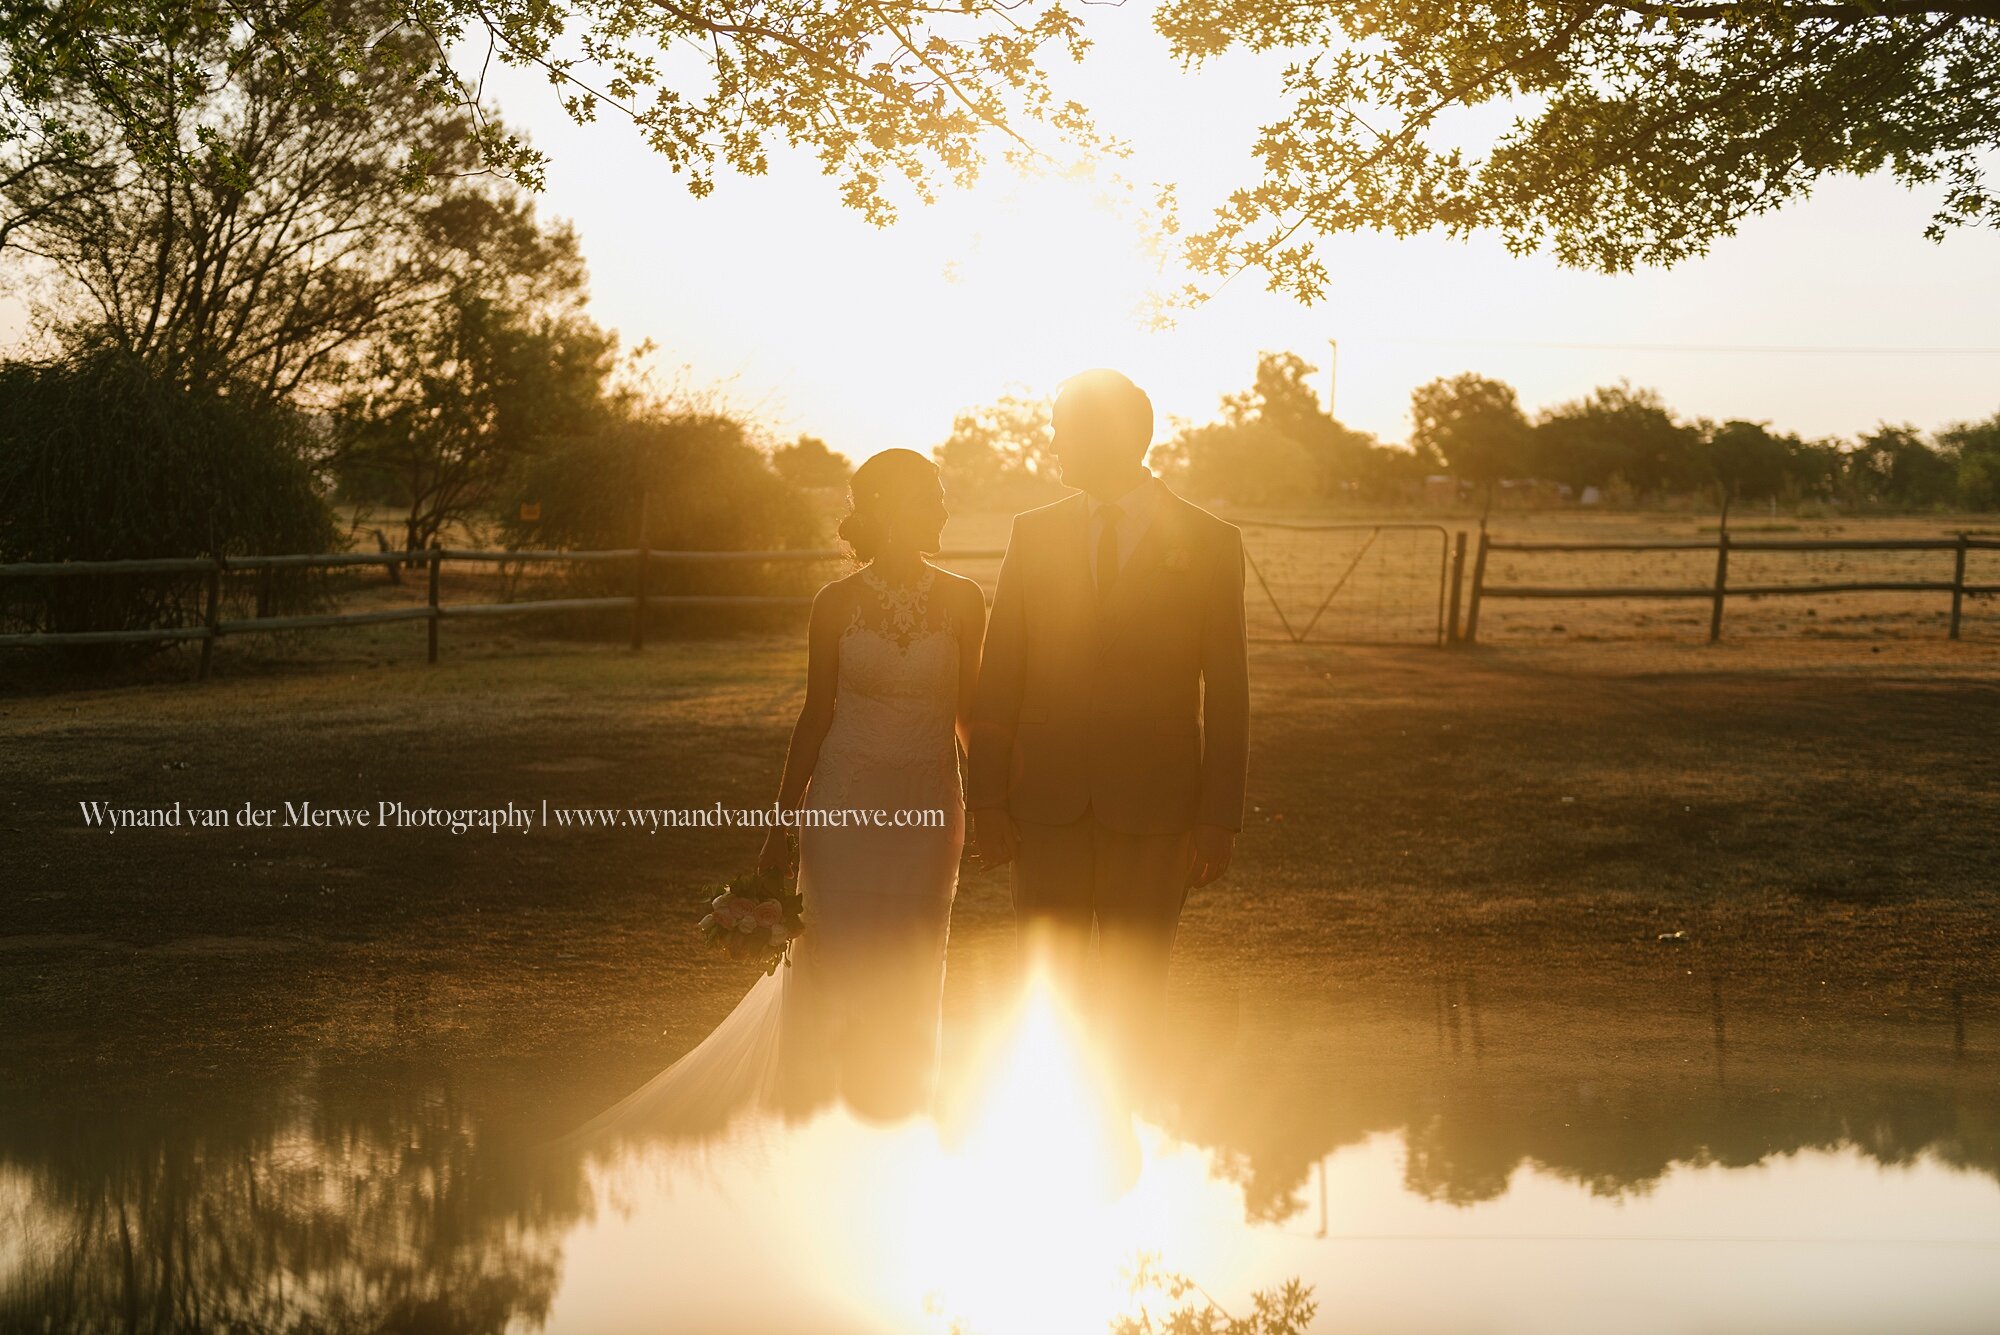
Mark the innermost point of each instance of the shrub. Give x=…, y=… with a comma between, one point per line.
x=701, y=484
x=101, y=460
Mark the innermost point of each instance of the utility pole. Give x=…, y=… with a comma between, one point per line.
x=1332, y=372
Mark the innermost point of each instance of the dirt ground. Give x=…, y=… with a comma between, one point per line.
x=1618, y=828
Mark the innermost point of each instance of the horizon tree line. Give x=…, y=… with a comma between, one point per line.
x=1274, y=444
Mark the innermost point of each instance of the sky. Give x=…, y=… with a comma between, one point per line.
x=1826, y=318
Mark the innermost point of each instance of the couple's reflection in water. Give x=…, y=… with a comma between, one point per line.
x=857, y=1030
x=1044, y=1060
x=409, y=1197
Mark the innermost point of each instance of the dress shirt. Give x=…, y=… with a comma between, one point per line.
x=1135, y=515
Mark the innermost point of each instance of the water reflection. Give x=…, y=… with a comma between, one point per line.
x=349, y=1200
x=1466, y=1161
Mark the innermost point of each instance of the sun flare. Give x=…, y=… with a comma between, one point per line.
x=1034, y=1203
x=1057, y=266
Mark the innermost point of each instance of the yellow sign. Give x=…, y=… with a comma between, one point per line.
x=531, y=512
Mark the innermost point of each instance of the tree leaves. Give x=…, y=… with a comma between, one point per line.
x=1646, y=130
x=894, y=97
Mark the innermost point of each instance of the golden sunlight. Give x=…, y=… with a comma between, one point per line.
x=1059, y=269
x=1039, y=1199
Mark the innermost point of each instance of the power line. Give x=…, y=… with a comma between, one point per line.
x=1800, y=349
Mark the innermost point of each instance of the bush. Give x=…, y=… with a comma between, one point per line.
x=100, y=460
x=1243, y=464
x=1976, y=447
x=702, y=485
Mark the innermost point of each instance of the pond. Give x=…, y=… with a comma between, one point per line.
x=1436, y=1161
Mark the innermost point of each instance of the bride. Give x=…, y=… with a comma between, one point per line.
x=873, y=775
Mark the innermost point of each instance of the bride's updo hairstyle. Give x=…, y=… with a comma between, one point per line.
x=883, y=489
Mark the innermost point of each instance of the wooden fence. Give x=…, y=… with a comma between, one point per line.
x=433, y=612
x=213, y=626
x=1720, y=589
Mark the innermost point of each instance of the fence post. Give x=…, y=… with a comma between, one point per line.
x=1721, y=584
x=211, y=618
x=639, y=575
x=436, y=560
x=1457, y=580
x=1957, y=584
x=1478, y=584
x=639, y=597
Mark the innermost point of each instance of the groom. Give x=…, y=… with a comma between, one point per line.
x=1110, y=727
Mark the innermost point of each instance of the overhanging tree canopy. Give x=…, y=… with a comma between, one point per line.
x=1641, y=130
x=893, y=96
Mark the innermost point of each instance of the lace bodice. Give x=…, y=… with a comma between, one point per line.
x=895, y=701
x=900, y=614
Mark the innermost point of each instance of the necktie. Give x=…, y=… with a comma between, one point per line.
x=1107, y=551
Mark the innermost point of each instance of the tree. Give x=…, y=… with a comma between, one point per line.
x=235, y=225
x=673, y=478
x=1475, y=425
x=898, y=93
x=1617, y=433
x=45, y=166
x=1000, y=452
x=1645, y=130
x=808, y=463
x=1893, y=465
x=1745, y=461
x=1283, y=399
x=454, y=404
x=1976, y=446
x=1818, y=468
x=1245, y=463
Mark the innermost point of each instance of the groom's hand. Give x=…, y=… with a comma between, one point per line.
x=1212, y=846
x=992, y=837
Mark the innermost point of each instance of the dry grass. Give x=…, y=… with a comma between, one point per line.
x=1816, y=819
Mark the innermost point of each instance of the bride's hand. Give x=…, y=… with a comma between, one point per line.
x=777, y=852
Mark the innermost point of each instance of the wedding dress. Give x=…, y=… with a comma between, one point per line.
x=857, y=1014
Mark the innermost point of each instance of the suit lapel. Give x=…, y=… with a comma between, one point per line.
x=1154, y=544
x=1076, y=534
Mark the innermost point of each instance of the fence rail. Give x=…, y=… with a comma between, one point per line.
x=1452, y=562
x=214, y=626
x=1719, y=589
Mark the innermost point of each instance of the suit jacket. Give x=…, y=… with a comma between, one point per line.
x=1136, y=709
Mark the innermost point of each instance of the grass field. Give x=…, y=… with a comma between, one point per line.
x=1815, y=818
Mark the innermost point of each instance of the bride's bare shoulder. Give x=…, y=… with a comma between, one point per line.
x=837, y=595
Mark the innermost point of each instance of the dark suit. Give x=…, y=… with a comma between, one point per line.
x=1108, y=728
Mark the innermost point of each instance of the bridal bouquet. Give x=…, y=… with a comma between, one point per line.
x=757, y=916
